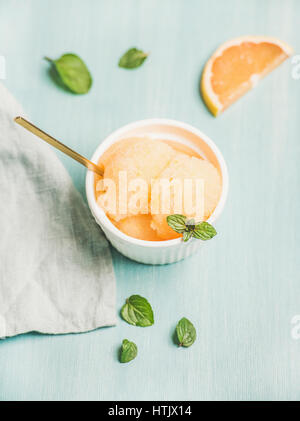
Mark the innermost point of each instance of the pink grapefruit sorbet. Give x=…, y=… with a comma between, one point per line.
x=144, y=217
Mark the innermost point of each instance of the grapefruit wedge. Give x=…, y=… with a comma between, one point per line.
x=237, y=66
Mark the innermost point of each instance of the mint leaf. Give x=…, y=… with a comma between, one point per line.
x=177, y=222
x=186, y=332
x=204, y=231
x=73, y=73
x=128, y=351
x=187, y=235
x=132, y=58
x=137, y=311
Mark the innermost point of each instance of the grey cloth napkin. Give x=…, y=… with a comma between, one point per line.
x=56, y=273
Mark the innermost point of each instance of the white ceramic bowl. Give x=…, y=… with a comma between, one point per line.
x=157, y=252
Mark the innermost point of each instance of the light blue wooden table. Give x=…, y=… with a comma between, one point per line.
x=243, y=288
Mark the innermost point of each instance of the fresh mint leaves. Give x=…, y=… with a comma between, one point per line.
x=73, y=73
x=137, y=311
x=132, y=59
x=128, y=351
x=189, y=228
x=186, y=332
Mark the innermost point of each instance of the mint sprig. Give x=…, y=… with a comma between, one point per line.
x=189, y=228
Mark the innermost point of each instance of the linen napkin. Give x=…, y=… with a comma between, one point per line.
x=56, y=273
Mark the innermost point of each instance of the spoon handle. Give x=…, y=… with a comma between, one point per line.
x=60, y=146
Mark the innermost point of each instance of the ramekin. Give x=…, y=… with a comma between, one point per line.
x=157, y=252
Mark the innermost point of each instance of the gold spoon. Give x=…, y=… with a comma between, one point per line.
x=60, y=146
